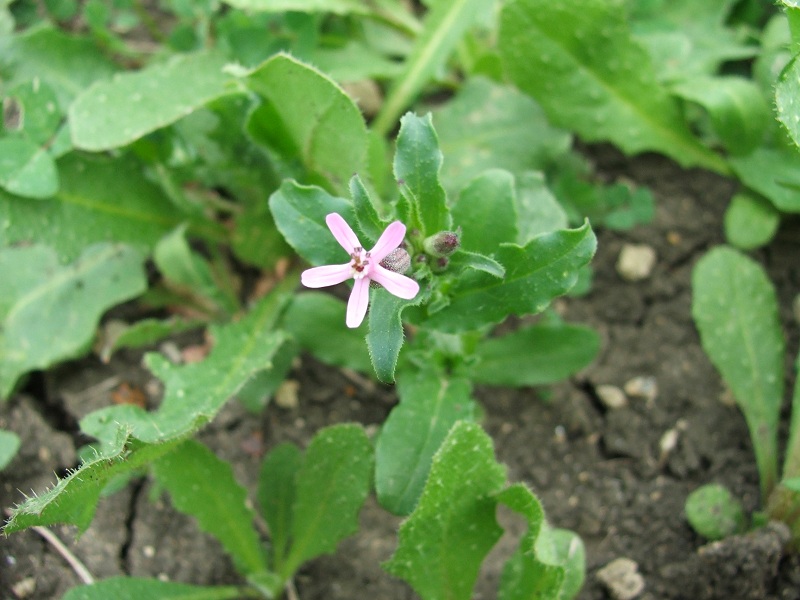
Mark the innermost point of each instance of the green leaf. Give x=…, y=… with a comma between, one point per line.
x=787, y=99
x=417, y=162
x=738, y=111
x=308, y=116
x=299, y=213
x=114, y=113
x=487, y=125
x=366, y=213
x=486, y=212
x=736, y=312
x=791, y=465
x=564, y=548
x=430, y=404
x=442, y=544
x=535, y=355
x=144, y=332
x=750, y=221
x=385, y=337
x=444, y=26
x=714, y=512
x=131, y=437
x=9, y=444
x=544, y=268
x=316, y=321
x=99, y=200
x=202, y=485
x=526, y=575
x=136, y=588
x=27, y=169
x=39, y=297
x=537, y=207
x=554, y=51
x=331, y=487
x=38, y=111
x=479, y=262
x=276, y=495
x=773, y=173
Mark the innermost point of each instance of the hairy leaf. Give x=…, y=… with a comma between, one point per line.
x=486, y=212
x=385, y=336
x=276, y=495
x=774, y=173
x=787, y=99
x=136, y=588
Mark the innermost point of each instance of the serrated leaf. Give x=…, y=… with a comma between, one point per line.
x=487, y=125
x=9, y=444
x=554, y=51
x=299, y=213
x=331, y=487
x=203, y=486
x=736, y=312
x=114, y=113
x=442, y=544
x=535, y=355
x=136, y=588
x=787, y=99
x=544, y=268
x=27, y=169
x=309, y=116
x=131, y=437
x=714, y=512
x=39, y=297
x=316, y=321
x=385, y=336
x=750, y=221
x=526, y=575
x=99, y=200
x=738, y=112
x=430, y=404
x=417, y=162
x=444, y=25
x=774, y=173
x=276, y=494
x=486, y=212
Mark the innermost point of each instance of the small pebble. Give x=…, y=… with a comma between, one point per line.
x=286, y=394
x=24, y=587
x=622, y=579
x=642, y=386
x=636, y=262
x=611, y=396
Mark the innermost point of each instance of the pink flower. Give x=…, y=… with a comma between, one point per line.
x=363, y=267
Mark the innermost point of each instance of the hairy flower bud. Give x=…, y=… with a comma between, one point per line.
x=398, y=260
x=442, y=244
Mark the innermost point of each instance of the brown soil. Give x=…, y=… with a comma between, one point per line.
x=598, y=471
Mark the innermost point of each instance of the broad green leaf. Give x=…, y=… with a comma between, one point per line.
x=366, y=213
x=430, y=404
x=750, y=221
x=787, y=99
x=131, y=437
x=316, y=321
x=444, y=26
x=714, y=512
x=99, y=200
x=203, y=486
x=736, y=312
x=136, y=588
x=115, y=112
x=565, y=549
x=417, y=162
x=354, y=62
x=773, y=173
x=486, y=212
x=299, y=213
x=487, y=125
x=558, y=50
x=535, y=355
x=546, y=267
x=27, y=169
x=791, y=465
x=738, y=112
x=442, y=544
x=306, y=115
x=331, y=487
x=537, y=208
x=37, y=109
x=276, y=495
x=526, y=575
x=189, y=273
x=9, y=444
x=385, y=337
x=479, y=262
x=49, y=312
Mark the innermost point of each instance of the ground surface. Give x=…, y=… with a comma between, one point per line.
x=598, y=471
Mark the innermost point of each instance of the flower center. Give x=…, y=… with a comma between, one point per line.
x=359, y=263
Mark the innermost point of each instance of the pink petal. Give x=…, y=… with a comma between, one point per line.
x=357, y=304
x=396, y=284
x=342, y=232
x=390, y=239
x=318, y=277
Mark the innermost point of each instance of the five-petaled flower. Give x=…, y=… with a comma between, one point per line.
x=363, y=267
